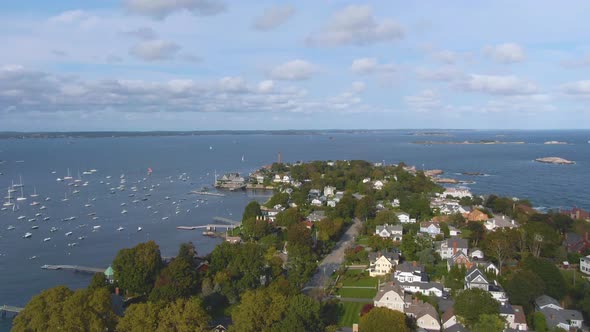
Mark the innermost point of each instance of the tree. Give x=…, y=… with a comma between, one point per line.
x=383, y=320
x=365, y=208
x=301, y=264
x=255, y=228
x=289, y=217
x=44, y=312
x=281, y=199
x=477, y=231
x=184, y=315
x=136, y=268
x=523, y=288
x=471, y=304
x=409, y=247
x=140, y=317
x=98, y=281
x=539, y=322
x=178, y=279
x=542, y=239
x=303, y=314
x=555, y=285
x=259, y=310
x=386, y=217
x=489, y=323
x=498, y=244
x=252, y=210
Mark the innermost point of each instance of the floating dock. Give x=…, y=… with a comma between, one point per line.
x=8, y=308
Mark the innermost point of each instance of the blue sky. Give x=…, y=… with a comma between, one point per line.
x=222, y=64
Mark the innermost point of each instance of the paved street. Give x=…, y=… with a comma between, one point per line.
x=332, y=261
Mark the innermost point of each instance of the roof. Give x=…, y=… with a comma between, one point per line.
x=410, y=267
x=109, y=271
x=387, y=288
x=461, y=243
x=421, y=309
x=545, y=300
x=555, y=317
x=390, y=228
x=423, y=285
x=402, y=214
x=506, y=309
x=519, y=316
x=448, y=314
x=391, y=256
x=502, y=221
x=457, y=328
x=473, y=273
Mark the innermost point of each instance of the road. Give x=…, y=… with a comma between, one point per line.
x=334, y=259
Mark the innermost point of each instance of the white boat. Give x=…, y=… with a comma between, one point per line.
x=94, y=218
x=96, y=227
x=21, y=218
x=43, y=207
x=46, y=219
x=59, y=179
x=123, y=204
x=108, y=176
x=53, y=229
x=35, y=227
x=93, y=170
x=34, y=203
x=65, y=199
x=10, y=227
x=69, y=176
x=47, y=199
x=120, y=228
x=22, y=195
x=81, y=238
x=164, y=218
x=53, y=172
x=32, y=219
x=124, y=211
x=73, y=244
x=139, y=229
x=69, y=233
x=86, y=173
x=34, y=194
x=46, y=239
x=75, y=191
x=38, y=214
x=87, y=205
x=3, y=208
x=17, y=185
x=27, y=235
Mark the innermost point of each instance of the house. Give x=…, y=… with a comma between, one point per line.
x=577, y=214
x=425, y=314
x=585, y=264
x=331, y=203
x=410, y=272
x=232, y=181
x=316, y=202
x=109, y=274
x=453, y=231
x=313, y=193
x=381, y=264
x=393, y=232
x=556, y=315
x=514, y=316
x=395, y=203
x=403, y=217
x=329, y=191
x=378, y=185
x=429, y=227
x=457, y=192
x=233, y=239
x=366, y=180
x=488, y=267
x=449, y=318
x=316, y=215
x=459, y=259
x=426, y=288
x=286, y=179
x=277, y=179
x=476, y=215
x=475, y=278
x=453, y=208
x=476, y=253
x=390, y=296
x=499, y=221
x=451, y=246
x=577, y=243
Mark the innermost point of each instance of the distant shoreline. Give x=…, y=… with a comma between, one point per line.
x=468, y=142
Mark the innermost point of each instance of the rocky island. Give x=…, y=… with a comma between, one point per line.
x=554, y=160
x=554, y=143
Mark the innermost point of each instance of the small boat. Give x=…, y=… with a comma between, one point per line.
x=86, y=173
x=38, y=214
x=73, y=244
x=32, y=219
x=124, y=212
x=46, y=218
x=34, y=203
x=21, y=218
x=120, y=228
x=10, y=227
x=69, y=233
x=69, y=176
x=35, y=227
x=46, y=239
x=33, y=257
x=164, y=218
x=96, y=227
x=53, y=229
x=81, y=238
x=59, y=179
x=27, y=235
x=123, y=204
x=34, y=194
x=75, y=191
x=87, y=205
x=47, y=198
x=94, y=218
x=139, y=229
x=43, y=207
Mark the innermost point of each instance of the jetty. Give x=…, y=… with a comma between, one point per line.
x=75, y=268
x=207, y=193
x=210, y=227
x=8, y=308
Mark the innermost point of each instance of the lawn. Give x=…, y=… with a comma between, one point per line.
x=353, y=278
x=362, y=240
x=350, y=314
x=359, y=293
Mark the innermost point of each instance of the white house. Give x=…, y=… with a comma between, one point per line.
x=407, y=272
x=476, y=253
x=425, y=315
x=498, y=222
x=378, y=185
x=316, y=202
x=277, y=178
x=329, y=191
x=331, y=203
x=426, y=288
x=453, y=231
x=286, y=179
x=390, y=296
x=395, y=203
x=366, y=180
x=476, y=279
x=403, y=217
x=449, y=318
x=381, y=264
x=451, y=246
x=430, y=228
x=585, y=264
x=457, y=192
x=393, y=232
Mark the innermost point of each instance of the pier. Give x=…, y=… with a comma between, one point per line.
x=227, y=221
x=207, y=193
x=207, y=227
x=75, y=268
x=8, y=308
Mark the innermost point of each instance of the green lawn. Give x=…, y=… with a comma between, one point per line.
x=351, y=313
x=359, y=293
x=350, y=279
x=362, y=240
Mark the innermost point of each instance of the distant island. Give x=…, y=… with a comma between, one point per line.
x=468, y=142
x=554, y=160
x=554, y=142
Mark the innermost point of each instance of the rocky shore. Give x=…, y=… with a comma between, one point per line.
x=554, y=160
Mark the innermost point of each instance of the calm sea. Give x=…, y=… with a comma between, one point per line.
x=182, y=164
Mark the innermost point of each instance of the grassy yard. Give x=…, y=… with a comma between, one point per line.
x=350, y=314
x=358, y=278
x=359, y=293
x=362, y=240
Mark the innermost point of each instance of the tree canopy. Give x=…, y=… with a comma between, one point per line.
x=136, y=268
x=471, y=304
x=383, y=320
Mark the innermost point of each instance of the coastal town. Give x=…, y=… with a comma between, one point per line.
x=360, y=246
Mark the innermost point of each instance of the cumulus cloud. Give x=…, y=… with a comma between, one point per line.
x=506, y=53
x=273, y=17
x=155, y=50
x=577, y=89
x=145, y=33
x=295, y=70
x=443, y=74
x=356, y=25
x=266, y=86
x=445, y=56
x=498, y=85
x=160, y=9
x=425, y=100
x=370, y=66
x=69, y=16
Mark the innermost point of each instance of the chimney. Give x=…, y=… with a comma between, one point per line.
x=414, y=263
x=586, y=236
x=454, y=247
x=117, y=291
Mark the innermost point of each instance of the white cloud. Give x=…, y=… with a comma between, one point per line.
x=370, y=66
x=583, y=61
x=446, y=56
x=425, y=100
x=273, y=17
x=506, y=53
x=266, y=86
x=356, y=25
x=358, y=86
x=233, y=84
x=295, y=70
x=160, y=9
x=498, y=85
x=69, y=16
x=154, y=50
x=577, y=89
x=145, y=33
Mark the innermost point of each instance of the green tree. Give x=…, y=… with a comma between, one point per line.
x=178, y=279
x=539, y=322
x=365, y=208
x=523, y=288
x=498, y=245
x=140, y=317
x=44, y=312
x=255, y=228
x=555, y=285
x=383, y=320
x=259, y=310
x=289, y=217
x=476, y=232
x=184, y=315
x=136, y=268
x=281, y=199
x=489, y=323
x=252, y=210
x=300, y=265
x=303, y=314
x=386, y=217
x=471, y=304
x=98, y=281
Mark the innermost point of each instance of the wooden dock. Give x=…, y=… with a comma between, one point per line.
x=8, y=308
x=75, y=268
x=207, y=227
x=207, y=193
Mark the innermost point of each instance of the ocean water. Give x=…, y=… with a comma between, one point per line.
x=510, y=170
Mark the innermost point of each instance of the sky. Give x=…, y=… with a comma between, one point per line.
x=323, y=64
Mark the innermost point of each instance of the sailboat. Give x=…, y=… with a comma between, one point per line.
x=19, y=184
x=68, y=177
x=65, y=199
x=242, y=158
x=34, y=194
x=9, y=199
x=22, y=195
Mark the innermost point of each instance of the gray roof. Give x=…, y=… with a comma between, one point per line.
x=421, y=309
x=461, y=243
x=474, y=273
x=545, y=300
x=392, y=256
x=423, y=285
x=390, y=228
x=555, y=316
x=506, y=309
x=456, y=328
x=410, y=267
x=389, y=287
